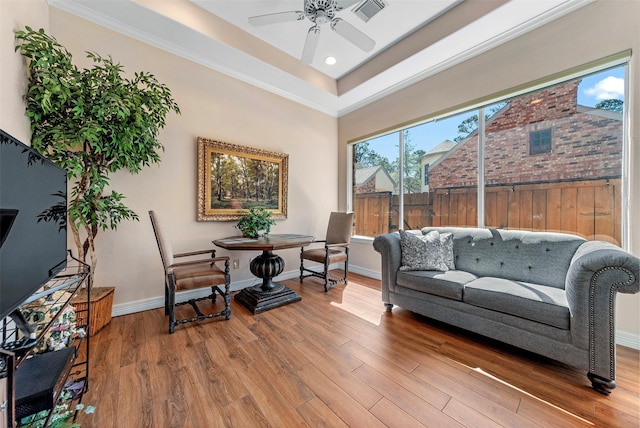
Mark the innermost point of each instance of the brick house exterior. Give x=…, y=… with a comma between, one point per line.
x=373, y=179
x=430, y=158
x=586, y=143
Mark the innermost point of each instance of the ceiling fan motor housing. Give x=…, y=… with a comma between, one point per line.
x=320, y=11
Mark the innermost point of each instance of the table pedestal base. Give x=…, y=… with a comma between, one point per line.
x=257, y=300
x=270, y=294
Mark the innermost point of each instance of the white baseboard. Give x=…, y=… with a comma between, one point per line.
x=158, y=302
x=627, y=339
x=623, y=338
x=365, y=272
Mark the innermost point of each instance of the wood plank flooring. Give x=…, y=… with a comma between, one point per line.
x=337, y=359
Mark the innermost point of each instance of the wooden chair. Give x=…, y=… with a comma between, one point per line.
x=336, y=249
x=191, y=275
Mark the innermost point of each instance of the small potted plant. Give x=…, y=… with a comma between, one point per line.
x=255, y=223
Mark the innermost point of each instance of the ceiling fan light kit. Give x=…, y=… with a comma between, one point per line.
x=321, y=12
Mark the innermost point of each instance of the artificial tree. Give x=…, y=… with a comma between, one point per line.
x=92, y=122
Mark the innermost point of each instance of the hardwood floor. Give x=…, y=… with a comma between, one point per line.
x=337, y=359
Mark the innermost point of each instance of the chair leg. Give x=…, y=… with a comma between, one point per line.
x=172, y=306
x=227, y=301
x=346, y=265
x=166, y=298
x=301, y=265
x=326, y=274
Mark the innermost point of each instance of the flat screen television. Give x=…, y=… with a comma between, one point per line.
x=33, y=226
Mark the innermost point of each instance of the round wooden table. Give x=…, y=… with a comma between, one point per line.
x=269, y=294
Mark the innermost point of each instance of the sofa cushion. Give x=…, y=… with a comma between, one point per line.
x=448, y=284
x=421, y=252
x=520, y=255
x=544, y=304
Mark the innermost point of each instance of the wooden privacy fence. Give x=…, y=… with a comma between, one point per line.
x=591, y=209
x=373, y=213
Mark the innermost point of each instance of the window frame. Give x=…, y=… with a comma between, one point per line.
x=539, y=147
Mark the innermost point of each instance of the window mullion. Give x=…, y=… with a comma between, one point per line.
x=481, y=140
x=401, y=180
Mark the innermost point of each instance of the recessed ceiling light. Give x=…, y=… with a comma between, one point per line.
x=330, y=60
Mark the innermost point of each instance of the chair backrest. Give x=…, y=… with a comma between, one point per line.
x=340, y=228
x=166, y=253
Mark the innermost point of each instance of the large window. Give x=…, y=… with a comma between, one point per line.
x=550, y=159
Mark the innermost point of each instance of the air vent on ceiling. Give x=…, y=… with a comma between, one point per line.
x=369, y=8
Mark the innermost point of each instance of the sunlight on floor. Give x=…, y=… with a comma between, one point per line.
x=361, y=301
x=541, y=401
x=366, y=304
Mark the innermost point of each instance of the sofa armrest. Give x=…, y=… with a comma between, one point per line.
x=598, y=271
x=388, y=245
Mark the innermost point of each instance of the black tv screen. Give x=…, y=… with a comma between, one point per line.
x=33, y=235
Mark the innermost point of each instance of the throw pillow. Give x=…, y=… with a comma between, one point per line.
x=446, y=246
x=421, y=252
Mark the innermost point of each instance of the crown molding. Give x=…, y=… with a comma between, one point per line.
x=504, y=37
x=187, y=43
x=125, y=20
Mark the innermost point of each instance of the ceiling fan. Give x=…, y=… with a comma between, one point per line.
x=319, y=12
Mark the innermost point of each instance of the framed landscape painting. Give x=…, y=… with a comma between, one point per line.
x=232, y=179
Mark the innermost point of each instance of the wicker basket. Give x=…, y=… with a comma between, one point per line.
x=101, y=307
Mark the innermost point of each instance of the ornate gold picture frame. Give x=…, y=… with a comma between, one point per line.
x=233, y=178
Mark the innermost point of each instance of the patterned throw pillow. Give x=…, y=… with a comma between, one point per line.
x=446, y=247
x=421, y=252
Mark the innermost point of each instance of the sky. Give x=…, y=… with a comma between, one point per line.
x=594, y=88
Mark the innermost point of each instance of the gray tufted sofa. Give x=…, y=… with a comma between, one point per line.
x=550, y=293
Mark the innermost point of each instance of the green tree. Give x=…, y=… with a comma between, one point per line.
x=271, y=180
x=230, y=177
x=470, y=124
x=91, y=122
x=466, y=127
x=611, y=105
x=412, y=169
x=365, y=156
x=216, y=176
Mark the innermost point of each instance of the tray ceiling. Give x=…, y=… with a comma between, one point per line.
x=414, y=39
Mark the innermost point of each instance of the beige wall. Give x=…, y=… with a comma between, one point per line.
x=217, y=107
x=14, y=15
x=213, y=106
x=571, y=41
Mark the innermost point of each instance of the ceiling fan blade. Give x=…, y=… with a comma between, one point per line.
x=352, y=34
x=310, y=45
x=343, y=4
x=275, y=18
